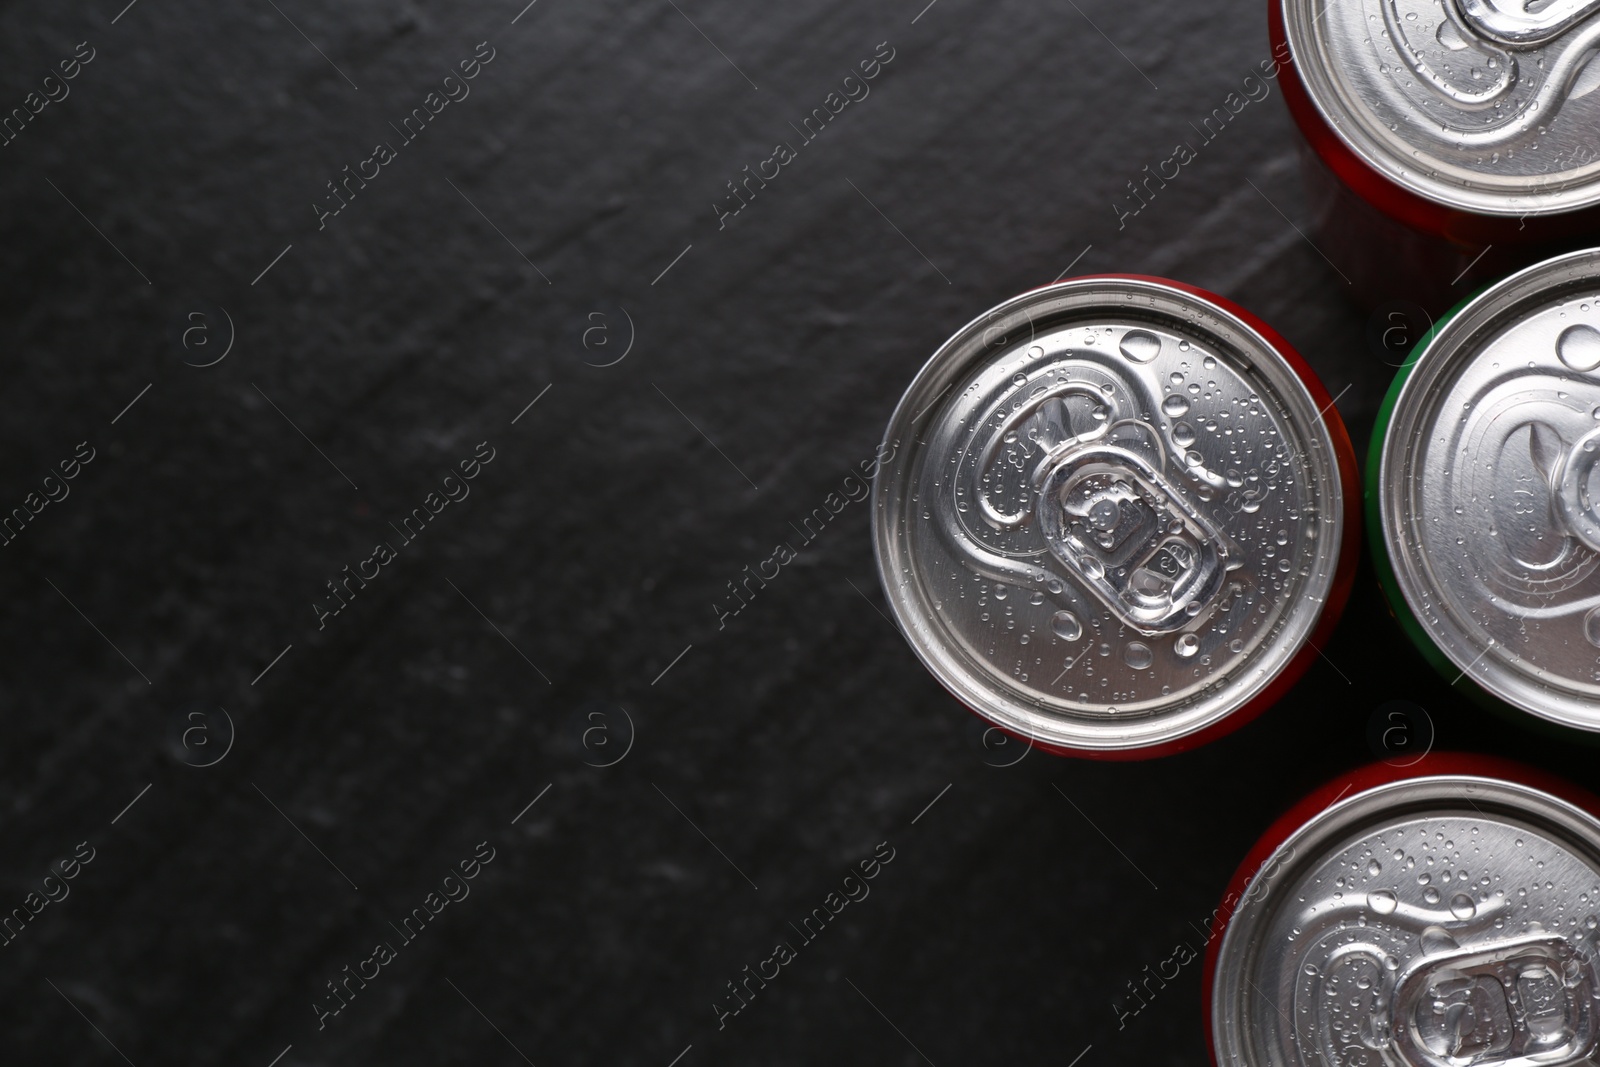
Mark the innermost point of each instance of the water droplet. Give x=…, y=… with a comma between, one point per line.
x=1431, y=895
x=1591, y=627
x=1186, y=645
x=1066, y=626
x=1183, y=435
x=999, y=591
x=1462, y=907
x=1579, y=347
x=1374, y=868
x=1175, y=406
x=1138, y=655
x=1437, y=939
x=1142, y=347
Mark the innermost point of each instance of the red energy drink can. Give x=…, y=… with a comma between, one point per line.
x=1120, y=518
x=1449, y=139
x=1441, y=915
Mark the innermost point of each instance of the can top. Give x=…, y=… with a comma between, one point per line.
x=1483, y=106
x=1489, y=489
x=1441, y=921
x=1113, y=515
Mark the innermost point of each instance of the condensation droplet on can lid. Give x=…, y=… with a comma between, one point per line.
x=1579, y=347
x=1140, y=346
x=1066, y=626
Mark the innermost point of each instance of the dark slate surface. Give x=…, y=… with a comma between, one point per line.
x=508, y=649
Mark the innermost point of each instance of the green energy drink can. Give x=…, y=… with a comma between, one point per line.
x=1484, y=492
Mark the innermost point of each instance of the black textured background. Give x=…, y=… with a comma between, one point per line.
x=411, y=728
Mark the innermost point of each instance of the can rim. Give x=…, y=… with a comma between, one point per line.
x=1414, y=400
x=1399, y=607
x=1351, y=126
x=1351, y=798
x=1298, y=390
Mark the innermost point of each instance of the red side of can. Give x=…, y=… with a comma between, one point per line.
x=1350, y=784
x=1344, y=572
x=1460, y=227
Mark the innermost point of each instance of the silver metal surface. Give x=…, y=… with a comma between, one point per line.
x=1113, y=515
x=1446, y=921
x=1480, y=105
x=1490, y=491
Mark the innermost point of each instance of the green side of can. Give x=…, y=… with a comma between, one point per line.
x=1409, y=623
x=1372, y=489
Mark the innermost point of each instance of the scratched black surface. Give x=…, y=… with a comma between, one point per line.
x=192, y=548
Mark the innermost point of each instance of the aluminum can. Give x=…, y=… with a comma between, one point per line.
x=1441, y=916
x=1484, y=492
x=1119, y=516
x=1475, y=120
x=1388, y=263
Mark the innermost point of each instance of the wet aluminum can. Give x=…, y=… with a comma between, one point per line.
x=1119, y=519
x=1442, y=916
x=1475, y=120
x=1484, y=492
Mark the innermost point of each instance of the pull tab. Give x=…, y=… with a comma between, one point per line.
x=1117, y=524
x=1573, y=485
x=1512, y=22
x=1514, y=1004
